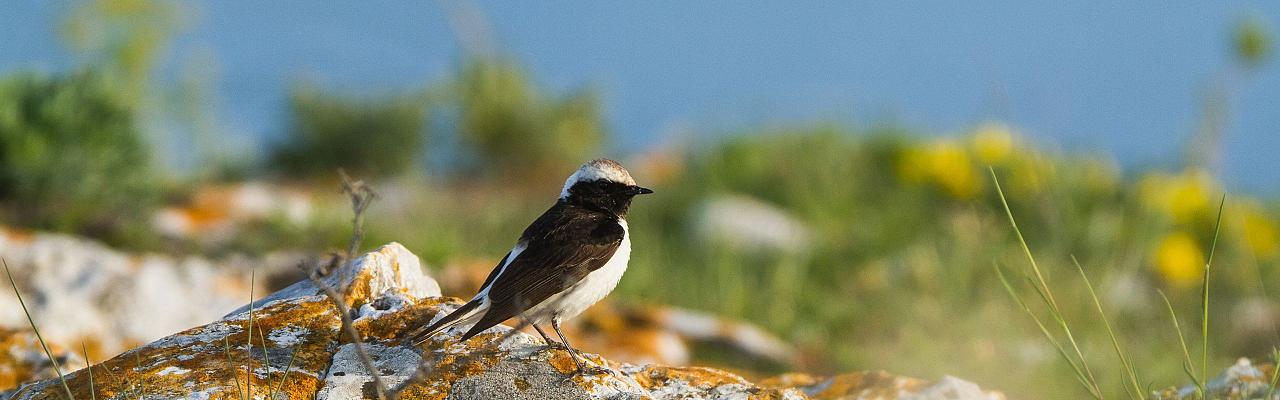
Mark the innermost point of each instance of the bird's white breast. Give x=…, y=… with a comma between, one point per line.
x=595, y=286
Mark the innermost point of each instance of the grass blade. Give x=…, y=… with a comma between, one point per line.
x=1275, y=373
x=93, y=392
x=1204, y=297
x=232, y=365
x=137, y=362
x=32, y=321
x=248, y=364
x=1062, y=351
x=111, y=376
x=266, y=358
x=1115, y=342
x=285, y=377
x=1186, y=354
x=1042, y=287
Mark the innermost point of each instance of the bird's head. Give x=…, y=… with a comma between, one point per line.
x=602, y=184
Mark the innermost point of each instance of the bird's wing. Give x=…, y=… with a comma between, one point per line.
x=562, y=248
x=496, y=269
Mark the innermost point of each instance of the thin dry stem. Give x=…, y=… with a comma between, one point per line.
x=361, y=196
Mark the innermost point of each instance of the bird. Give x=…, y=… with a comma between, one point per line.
x=568, y=259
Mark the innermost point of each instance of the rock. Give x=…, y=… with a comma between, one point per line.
x=296, y=352
x=1239, y=382
x=215, y=213
x=748, y=223
x=22, y=359
x=81, y=291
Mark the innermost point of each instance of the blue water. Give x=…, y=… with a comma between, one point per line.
x=1122, y=79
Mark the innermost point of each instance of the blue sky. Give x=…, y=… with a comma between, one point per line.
x=1124, y=79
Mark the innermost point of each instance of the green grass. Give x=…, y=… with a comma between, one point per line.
x=93, y=391
x=1187, y=366
x=1130, y=372
x=1204, y=297
x=52, y=360
x=1078, y=364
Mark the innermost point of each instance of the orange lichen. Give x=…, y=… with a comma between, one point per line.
x=18, y=235
x=198, y=360
x=562, y=361
x=656, y=375
x=476, y=357
x=15, y=369
x=392, y=325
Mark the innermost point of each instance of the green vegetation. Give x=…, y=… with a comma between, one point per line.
x=71, y=156
x=513, y=126
x=501, y=122
x=376, y=137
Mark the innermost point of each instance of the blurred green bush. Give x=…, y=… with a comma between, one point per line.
x=369, y=137
x=512, y=126
x=497, y=116
x=71, y=155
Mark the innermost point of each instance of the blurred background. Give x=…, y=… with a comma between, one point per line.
x=821, y=170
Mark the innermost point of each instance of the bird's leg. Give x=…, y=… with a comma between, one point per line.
x=545, y=339
x=573, y=352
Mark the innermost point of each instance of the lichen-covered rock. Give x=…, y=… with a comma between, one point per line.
x=22, y=359
x=295, y=351
x=81, y=291
x=1239, y=382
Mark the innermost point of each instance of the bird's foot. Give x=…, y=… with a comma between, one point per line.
x=594, y=370
x=583, y=368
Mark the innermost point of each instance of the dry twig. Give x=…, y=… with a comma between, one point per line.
x=361, y=196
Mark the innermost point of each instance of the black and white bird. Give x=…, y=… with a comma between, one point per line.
x=568, y=259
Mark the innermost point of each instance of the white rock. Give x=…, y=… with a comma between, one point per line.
x=951, y=388
x=750, y=224
x=347, y=376
x=81, y=290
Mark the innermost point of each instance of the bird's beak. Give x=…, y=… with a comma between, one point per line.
x=636, y=190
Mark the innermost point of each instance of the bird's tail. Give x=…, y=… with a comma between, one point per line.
x=463, y=313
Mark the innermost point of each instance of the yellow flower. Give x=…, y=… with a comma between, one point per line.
x=1260, y=233
x=1183, y=197
x=992, y=143
x=1179, y=260
x=942, y=163
x=951, y=168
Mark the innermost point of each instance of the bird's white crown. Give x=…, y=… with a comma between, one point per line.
x=600, y=168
